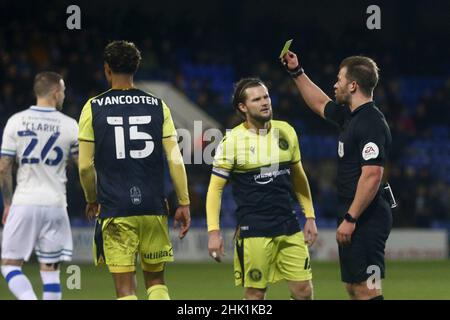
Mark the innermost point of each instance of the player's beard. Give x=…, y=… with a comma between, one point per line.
x=343, y=98
x=258, y=117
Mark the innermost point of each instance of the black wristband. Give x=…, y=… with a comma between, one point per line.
x=348, y=217
x=297, y=71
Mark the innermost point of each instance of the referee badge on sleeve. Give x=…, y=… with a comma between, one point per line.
x=370, y=151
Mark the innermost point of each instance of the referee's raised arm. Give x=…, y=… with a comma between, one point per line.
x=314, y=97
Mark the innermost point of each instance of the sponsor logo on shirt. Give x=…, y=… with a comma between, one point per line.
x=268, y=177
x=370, y=151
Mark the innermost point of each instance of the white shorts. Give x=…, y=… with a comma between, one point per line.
x=46, y=229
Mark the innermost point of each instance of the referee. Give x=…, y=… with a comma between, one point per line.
x=365, y=217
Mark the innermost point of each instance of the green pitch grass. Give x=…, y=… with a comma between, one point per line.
x=204, y=281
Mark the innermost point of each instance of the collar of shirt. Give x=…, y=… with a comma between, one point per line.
x=43, y=109
x=363, y=106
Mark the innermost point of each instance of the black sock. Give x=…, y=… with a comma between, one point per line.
x=380, y=297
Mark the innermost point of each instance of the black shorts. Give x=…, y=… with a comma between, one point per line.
x=367, y=243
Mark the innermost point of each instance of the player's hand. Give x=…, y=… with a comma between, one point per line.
x=182, y=220
x=92, y=210
x=290, y=60
x=310, y=231
x=215, y=245
x=344, y=233
x=5, y=213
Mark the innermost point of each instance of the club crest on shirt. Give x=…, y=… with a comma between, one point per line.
x=255, y=274
x=135, y=194
x=283, y=144
x=370, y=151
x=341, y=149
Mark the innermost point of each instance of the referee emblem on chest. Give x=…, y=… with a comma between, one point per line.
x=341, y=149
x=135, y=195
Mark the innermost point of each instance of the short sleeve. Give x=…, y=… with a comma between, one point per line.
x=372, y=140
x=296, y=157
x=336, y=114
x=168, y=126
x=9, y=140
x=224, y=159
x=74, y=139
x=86, y=131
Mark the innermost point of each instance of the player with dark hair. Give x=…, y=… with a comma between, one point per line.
x=124, y=135
x=261, y=157
x=365, y=218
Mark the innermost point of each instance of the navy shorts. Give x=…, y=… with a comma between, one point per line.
x=367, y=243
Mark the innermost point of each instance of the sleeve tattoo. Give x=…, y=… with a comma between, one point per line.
x=6, y=184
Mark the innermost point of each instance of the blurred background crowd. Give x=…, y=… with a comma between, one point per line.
x=203, y=48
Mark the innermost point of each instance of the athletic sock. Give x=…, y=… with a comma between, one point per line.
x=131, y=297
x=158, y=292
x=52, y=285
x=18, y=283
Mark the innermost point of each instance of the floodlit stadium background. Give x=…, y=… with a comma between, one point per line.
x=198, y=50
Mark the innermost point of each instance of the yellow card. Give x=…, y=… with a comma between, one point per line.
x=285, y=48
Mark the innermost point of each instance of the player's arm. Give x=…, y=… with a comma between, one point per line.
x=87, y=170
x=304, y=197
x=6, y=184
x=176, y=169
x=86, y=154
x=177, y=172
x=302, y=190
x=74, y=145
x=224, y=161
x=314, y=97
x=8, y=155
x=213, y=204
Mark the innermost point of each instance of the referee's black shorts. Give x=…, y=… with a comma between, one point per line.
x=367, y=243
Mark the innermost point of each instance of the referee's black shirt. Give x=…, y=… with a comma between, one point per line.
x=364, y=139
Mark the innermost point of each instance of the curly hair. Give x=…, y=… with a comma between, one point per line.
x=122, y=56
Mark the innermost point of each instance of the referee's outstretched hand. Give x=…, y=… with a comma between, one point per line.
x=182, y=220
x=290, y=60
